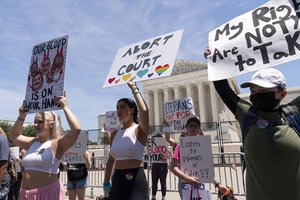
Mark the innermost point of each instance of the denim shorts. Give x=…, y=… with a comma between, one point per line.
x=81, y=184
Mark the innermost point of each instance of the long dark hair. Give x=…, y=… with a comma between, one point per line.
x=131, y=103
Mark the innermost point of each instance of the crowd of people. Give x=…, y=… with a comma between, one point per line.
x=270, y=144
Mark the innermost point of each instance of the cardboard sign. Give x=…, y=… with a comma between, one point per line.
x=75, y=153
x=264, y=37
x=145, y=60
x=111, y=121
x=177, y=112
x=46, y=75
x=15, y=155
x=196, y=157
x=157, y=150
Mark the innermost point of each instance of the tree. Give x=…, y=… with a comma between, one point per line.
x=29, y=131
x=105, y=139
x=6, y=127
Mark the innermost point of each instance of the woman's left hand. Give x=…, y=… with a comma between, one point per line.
x=62, y=100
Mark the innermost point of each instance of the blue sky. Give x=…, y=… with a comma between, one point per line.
x=97, y=29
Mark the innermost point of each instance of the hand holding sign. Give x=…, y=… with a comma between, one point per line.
x=62, y=101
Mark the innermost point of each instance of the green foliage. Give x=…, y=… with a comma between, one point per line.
x=105, y=139
x=6, y=127
x=29, y=131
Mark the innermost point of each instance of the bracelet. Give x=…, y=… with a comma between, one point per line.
x=217, y=184
x=135, y=91
x=21, y=119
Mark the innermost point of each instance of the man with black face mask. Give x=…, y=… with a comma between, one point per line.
x=272, y=148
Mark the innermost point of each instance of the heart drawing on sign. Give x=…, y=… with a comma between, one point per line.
x=159, y=69
x=117, y=81
x=141, y=73
x=126, y=77
x=111, y=80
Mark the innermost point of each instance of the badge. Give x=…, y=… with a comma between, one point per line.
x=129, y=176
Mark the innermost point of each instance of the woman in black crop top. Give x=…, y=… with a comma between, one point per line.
x=44, y=152
x=129, y=180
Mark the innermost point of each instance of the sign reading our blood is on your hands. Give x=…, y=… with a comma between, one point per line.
x=266, y=36
x=45, y=80
x=145, y=60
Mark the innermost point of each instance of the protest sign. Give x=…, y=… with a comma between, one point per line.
x=264, y=37
x=157, y=150
x=196, y=157
x=177, y=112
x=15, y=155
x=75, y=153
x=111, y=121
x=145, y=60
x=46, y=75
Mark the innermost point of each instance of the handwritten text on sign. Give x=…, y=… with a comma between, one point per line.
x=196, y=157
x=111, y=121
x=157, y=148
x=264, y=37
x=177, y=112
x=75, y=153
x=148, y=59
x=46, y=75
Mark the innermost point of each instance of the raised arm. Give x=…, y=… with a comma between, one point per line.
x=143, y=109
x=88, y=162
x=170, y=140
x=16, y=132
x=68, y=139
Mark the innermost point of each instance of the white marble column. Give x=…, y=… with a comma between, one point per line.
x=166, y=94
x=202, y=108
x=156, y=107
x=214, y=103
x=149, y=102
x=166, y=97
x=188, y=88
x=176, y=92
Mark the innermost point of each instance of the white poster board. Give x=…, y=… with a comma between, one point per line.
x=196, y=157
x=46, y=75
x=145, y=60
x=157, y=149
x=112, y=121
x=15, y=155
x=177, y=112
x=75, y=153
x=264, y=37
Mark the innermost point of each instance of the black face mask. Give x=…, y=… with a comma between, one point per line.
x=264, y=101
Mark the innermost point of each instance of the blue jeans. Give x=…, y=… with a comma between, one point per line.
x=81, y=184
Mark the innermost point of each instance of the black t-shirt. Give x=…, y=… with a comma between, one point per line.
x=76, y=172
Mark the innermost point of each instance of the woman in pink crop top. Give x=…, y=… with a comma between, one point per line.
x=129, y=181
x=40, y=180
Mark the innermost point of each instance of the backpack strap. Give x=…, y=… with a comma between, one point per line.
x=290, y=114
x=248, y=121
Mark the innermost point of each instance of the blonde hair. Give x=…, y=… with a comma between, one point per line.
x=56, y=129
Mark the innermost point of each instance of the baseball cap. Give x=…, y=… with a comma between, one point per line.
x=266, y=78
x=4, y=148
